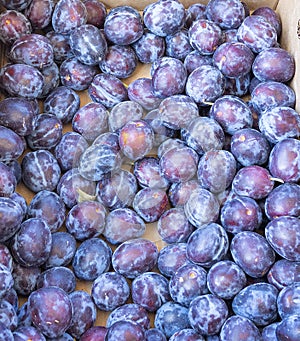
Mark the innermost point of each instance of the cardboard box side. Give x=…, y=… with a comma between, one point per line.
x=140, y=5
x=289, y=12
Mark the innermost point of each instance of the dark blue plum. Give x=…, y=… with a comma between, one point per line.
x=258, y=303
x=96, y=249
x=171, y=311
x=109, y=291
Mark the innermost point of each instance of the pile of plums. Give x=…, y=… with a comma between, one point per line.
x=203, y=151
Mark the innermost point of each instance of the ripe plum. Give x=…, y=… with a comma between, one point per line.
x=203, y=134
x=62, y=251
x=283, y=200
x=168, y=76
x=240, y=213
x=62, y=102
x=188, y=282
x=205, y=36
x=122, y=113
x=283, y=235
x=40, y=170
x=239, y=327
x=195, y=59
x=257, y=33
x=95, y=333
x=29, y=333
x=280, y=123
x=96, y=12
x=76, y=75
x=91, y=259
x=177, y=111
x=194, y=12
x=97, y=161
x=90, y=121
x=216, y=170
x=88, y=44
x=178, y=45
x=179, y=192
x=148, y=173
x=150, y=203
x=25, y=279
x=13, y=24
x=84, y=313
x=173, y=226
x=72, y=187
x=123, y=25
x=274, y=64
x=22, y=80
x=226, y=14
x=207, y=245
x=164, y=17
x=68, y=15
x=50, y=310
x=171, y=311
x=271, y=16
x=17, y=114
x=283, y=273
x=123, y=224
x=179, y=164
x=287, y=300
x=233, y=59
x=59, y=276
x=49, y=206
x=205, y=84
x=12, y=145
x=69, y=149
x=225, y=279
x=132, y=312
x=284, y=160
x=253, y=181
x=250, y=147
x=39, y=13
x=270, y=94
x=31, y=245
x=232, y=113
x=154, y=334
x=8, y=315
x=150, y=290
x=47, y=132
x=252, y=252
x=86, y=220
x=136, y=139
x=257, y=302
x=149, y=47
x=21, y=50
x=207, y=313
x=202, y=207
x=268, y=333
x=109, y=291
x=117, y=190
x=171, y=257
x=288, y=328
x=125, y=330
x=61, y=46
x=140, y=91
x=134, y=257
x=119, y=61
x=8, y=181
